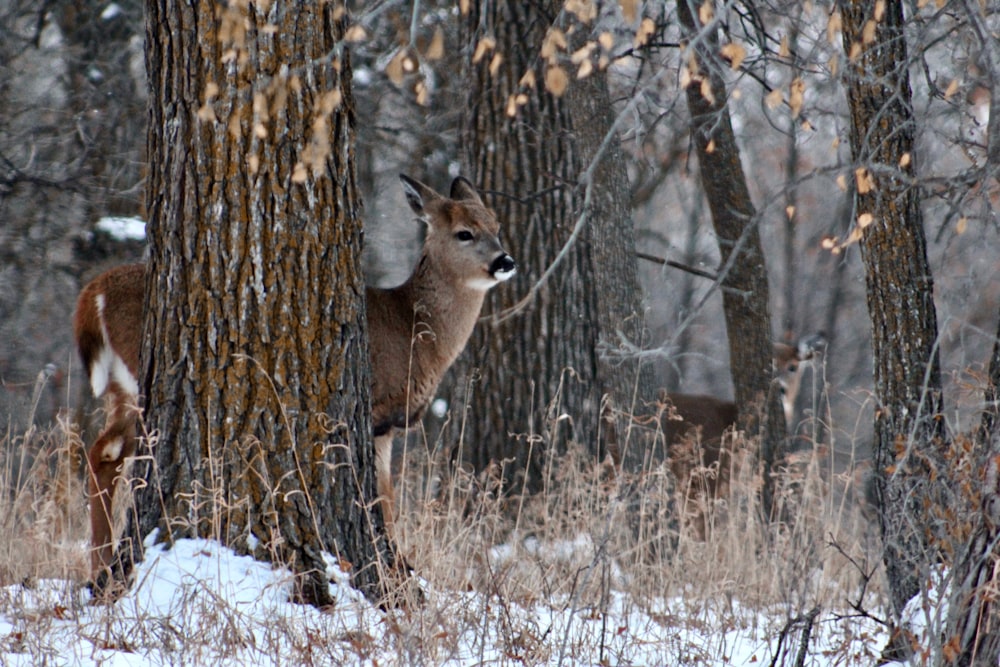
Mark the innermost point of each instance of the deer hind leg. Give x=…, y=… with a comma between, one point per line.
x=105, y=460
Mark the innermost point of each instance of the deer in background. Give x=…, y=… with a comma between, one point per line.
x=694, y=426
x=415, y=333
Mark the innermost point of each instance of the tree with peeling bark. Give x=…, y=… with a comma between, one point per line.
x=255, y=366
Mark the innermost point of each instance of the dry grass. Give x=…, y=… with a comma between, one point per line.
x=593, y=531
x=594, y=546
x=42, y=499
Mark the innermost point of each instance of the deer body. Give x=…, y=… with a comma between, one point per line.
x=107, y=325
x=416, y=331
x=694, y=426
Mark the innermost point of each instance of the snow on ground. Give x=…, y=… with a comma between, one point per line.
x=201, y=604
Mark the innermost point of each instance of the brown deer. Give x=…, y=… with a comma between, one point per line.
x=694, y=426
x=415, y=330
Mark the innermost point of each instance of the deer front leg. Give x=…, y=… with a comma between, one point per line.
x=383, y=482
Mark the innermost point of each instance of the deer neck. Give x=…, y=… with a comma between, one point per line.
x=445, y=311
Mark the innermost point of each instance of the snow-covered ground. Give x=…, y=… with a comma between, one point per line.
x=201, y=604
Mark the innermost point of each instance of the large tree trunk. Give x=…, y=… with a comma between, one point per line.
x=255, y=366
x=746, y=302
x=908, y=427
x=539, y=370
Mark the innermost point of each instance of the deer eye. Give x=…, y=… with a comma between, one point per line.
x=464, y=235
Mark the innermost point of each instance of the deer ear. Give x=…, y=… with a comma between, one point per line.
x=417, y=194
x=812, y=345
x=462, y=189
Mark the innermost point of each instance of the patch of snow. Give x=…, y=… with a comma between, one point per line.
x=200, y=603
x=439, y=408
x=111, y=11
x=123, y=229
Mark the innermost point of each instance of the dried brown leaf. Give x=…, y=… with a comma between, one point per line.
x=394, y=68
x=796, y=96
x=706, y=91
x=864, y=180
x=868, y=32
x=555, y=41
x=630, y=9
x=644, y=33
x=706, y=12
x=485, y=45
x=833, y=26
x=495, y=63
x=879, y=12
x=951, y=89
x=435, y=50
x=355, y=33
x=556, y=80
x=735, y=54
x=583, y=53
x=585, y=10
x=774, y=99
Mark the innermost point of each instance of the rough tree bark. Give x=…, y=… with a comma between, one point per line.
x=972, y=630
x=908, y=427
x=746, y=303
x=255, y=366
x=541, y=370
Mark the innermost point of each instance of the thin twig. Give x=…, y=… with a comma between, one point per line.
x=701, y=273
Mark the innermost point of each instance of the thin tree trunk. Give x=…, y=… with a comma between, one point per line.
x=623, y=380
x=746, y=303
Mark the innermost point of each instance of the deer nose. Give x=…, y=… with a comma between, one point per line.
x=503, y=267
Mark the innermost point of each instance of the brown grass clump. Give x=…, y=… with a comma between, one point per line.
x=43, y=520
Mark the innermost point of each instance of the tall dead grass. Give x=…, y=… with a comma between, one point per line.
x=43, y=528
x=594, y=530
x=595, y=544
